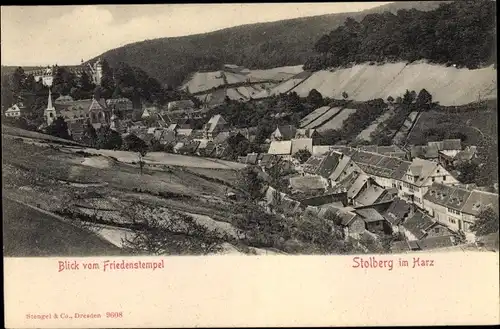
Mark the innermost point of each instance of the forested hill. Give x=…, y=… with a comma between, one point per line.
x=460, y=33
x=264, y=45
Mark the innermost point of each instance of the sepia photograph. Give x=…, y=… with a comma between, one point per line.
x=360, y=129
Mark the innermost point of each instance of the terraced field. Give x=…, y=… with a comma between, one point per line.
x=324, y=118
x=336, y=121
x=313, y=116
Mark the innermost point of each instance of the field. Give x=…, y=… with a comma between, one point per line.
x=365, y=134
x=448, y=85
x=324, y=118
x=337, y=121
x=201, y=81
x=313, y=115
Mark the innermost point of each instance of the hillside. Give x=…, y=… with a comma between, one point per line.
x=448, y=85
x=255, y=46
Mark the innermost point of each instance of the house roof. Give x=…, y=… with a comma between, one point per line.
x=397, y=211
x=343, y=162
x=357, y=185
x=400, y=246
x=478, y=201
x=447, y=196
x=376, y=164
x=184, y=132
x=329, y=163
x=422, y=169
x=321, y=149
x=280, y=147
x=370, y=195
x=435, y=242
x=214, y=121
x=466, y=154
x=97, y=105
x=121, y=100
x=432, y=149
x=305, y=133
x=418, y=224
x=63, y=99
x=307, y=183
x=197, y=134
x=182, y=104
x=369, y=215
x=287, y=132
x=301, y=144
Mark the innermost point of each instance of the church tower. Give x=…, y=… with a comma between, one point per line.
x=50, y=111
x=115, y=122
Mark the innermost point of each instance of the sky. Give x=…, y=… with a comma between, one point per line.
x=64, y=35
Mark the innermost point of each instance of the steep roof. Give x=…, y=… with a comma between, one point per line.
x=97, y=105
x=369, y=215
x=418, y=224
x=301, y=144
x=432, y=149
x=280, y=147
x=370, y=195
x=287, y=132
x=422, y=169
x=397, y=211
x=377, y=164
x=435, y=242
x=305, y=133
x=441, y=194
x=357, y=185
x=478, y=201
x=343, y=162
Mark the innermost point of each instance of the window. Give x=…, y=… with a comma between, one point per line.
x=444, y=177
x=436, y=230
x=433, y=179
x=451, y=220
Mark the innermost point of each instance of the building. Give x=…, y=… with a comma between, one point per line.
x=419, y=176
x=93, y=70
x=299, y=144
x=431, y=150
x=282, y=149
x=309, y=133
x=123, y=106
x=450, y=159
x=283, y=133
x=456, y=207
x=63, y=99
x=15, y=111
x=214, y=126
x=391, y=150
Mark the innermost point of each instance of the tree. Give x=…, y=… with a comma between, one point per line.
x=424, y=97
x=315, y=98
x=250, y=181
x=108, y=139
x=178, y=235
x=89, y=135
x=486, y=223
x=302, y=155
x=134, y=144
x=345, y=95
x=390, y=99
x=468, y=172
x=59, y=128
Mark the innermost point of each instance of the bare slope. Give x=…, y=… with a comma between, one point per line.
x=448, y=85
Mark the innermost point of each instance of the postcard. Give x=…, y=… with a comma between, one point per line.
x=252, y=164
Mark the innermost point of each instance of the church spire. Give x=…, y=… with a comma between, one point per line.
x=50, y=111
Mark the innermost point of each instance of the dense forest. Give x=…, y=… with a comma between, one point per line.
x=255, y=46
x=460, y=33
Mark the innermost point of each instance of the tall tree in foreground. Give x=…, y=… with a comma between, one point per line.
x=486, y=223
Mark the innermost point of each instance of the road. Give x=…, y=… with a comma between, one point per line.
x=32, y=232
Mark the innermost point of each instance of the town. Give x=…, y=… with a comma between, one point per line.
x=311, y=172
